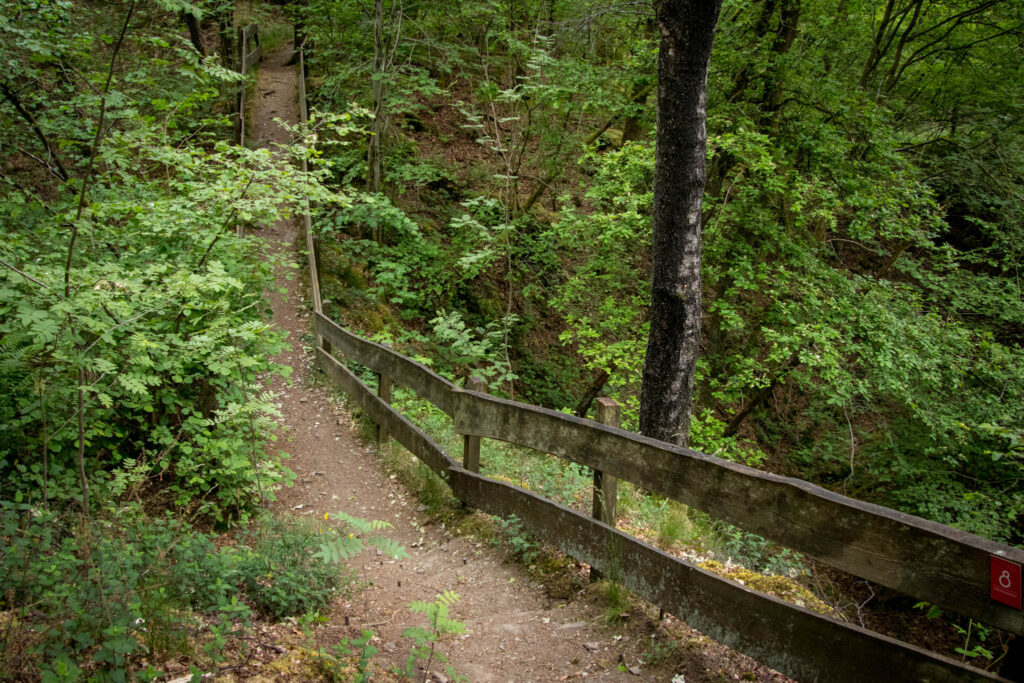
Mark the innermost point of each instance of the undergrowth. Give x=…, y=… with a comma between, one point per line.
x=116, y=594
x=653, y=518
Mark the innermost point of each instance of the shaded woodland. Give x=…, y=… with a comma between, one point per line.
x=481, y=188
x=861, y=302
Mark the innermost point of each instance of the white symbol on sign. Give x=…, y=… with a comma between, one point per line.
x=1004, y=579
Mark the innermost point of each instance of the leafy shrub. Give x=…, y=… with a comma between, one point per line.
x=97, y=594
x=520, y=544
x=131, y=315
x=102, y=593
x=481, y=349
x=280, y=572
x=757, y=553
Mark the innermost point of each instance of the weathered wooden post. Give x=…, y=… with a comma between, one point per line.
x=606, y=487
x=384, y=391
x=322, y=341
x=471, y=444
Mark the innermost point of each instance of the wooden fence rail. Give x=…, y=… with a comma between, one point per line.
x=312, y=247
x=791, y=639
x=788, y=638
x=251, y=52
x=945, y=566
x=249, y=47
x=381, y=359
x=927, y=560
x=930, y=561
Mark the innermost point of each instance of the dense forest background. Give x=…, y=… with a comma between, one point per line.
x=862, y=239
x=482, y=192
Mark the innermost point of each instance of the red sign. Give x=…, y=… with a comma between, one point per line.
x=1005, y=586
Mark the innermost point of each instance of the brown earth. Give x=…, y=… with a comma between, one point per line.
x=515, y=629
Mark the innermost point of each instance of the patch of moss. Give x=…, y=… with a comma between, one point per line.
x=781, y=587
x=295, y=664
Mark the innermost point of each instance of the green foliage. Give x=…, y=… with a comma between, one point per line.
x=342, y=548
x=127, y=304
x=617, y=599
x=756, y=553
x=520, y=544
x=604, y=258
x=862, y=235
x=660, y=651
x=408, y=171
x=440, y=623
x=419, y=269
x=977, y=650
x=90, y=595
x=979, y=644
x=281, y=573
x=673, y=523
x=419, y=274
x=107, y=593
x=335, y=661
x=478, y=349
x=707, y=434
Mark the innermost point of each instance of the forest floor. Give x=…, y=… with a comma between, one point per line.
x=517, y=629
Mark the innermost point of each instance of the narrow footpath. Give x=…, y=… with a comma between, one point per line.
x=515, y=630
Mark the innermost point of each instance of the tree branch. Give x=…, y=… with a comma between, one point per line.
x=27, y=115
x=95, y=150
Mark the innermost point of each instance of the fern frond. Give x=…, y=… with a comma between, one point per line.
x=339, y=550
x=448, y=598
x=389, y=547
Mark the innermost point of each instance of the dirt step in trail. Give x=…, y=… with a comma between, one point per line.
x=515, y=631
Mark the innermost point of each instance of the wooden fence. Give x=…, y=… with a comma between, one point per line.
x=250, y=52
x=932, y=562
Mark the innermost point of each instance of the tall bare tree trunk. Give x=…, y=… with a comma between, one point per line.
x=687, y=32
x=298, y=12
x=194, y=32
x=373, y=161
x=771, y=101
x=225, y=31
x=632, y=129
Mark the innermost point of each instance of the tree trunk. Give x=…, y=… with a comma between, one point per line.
x=583, y=407
x=687, y=32
x=373, y=161
x=225, y=30
x=771, y=102
x=194, y=33
x=632, y=129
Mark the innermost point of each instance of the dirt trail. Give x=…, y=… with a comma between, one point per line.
x=515, y=631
